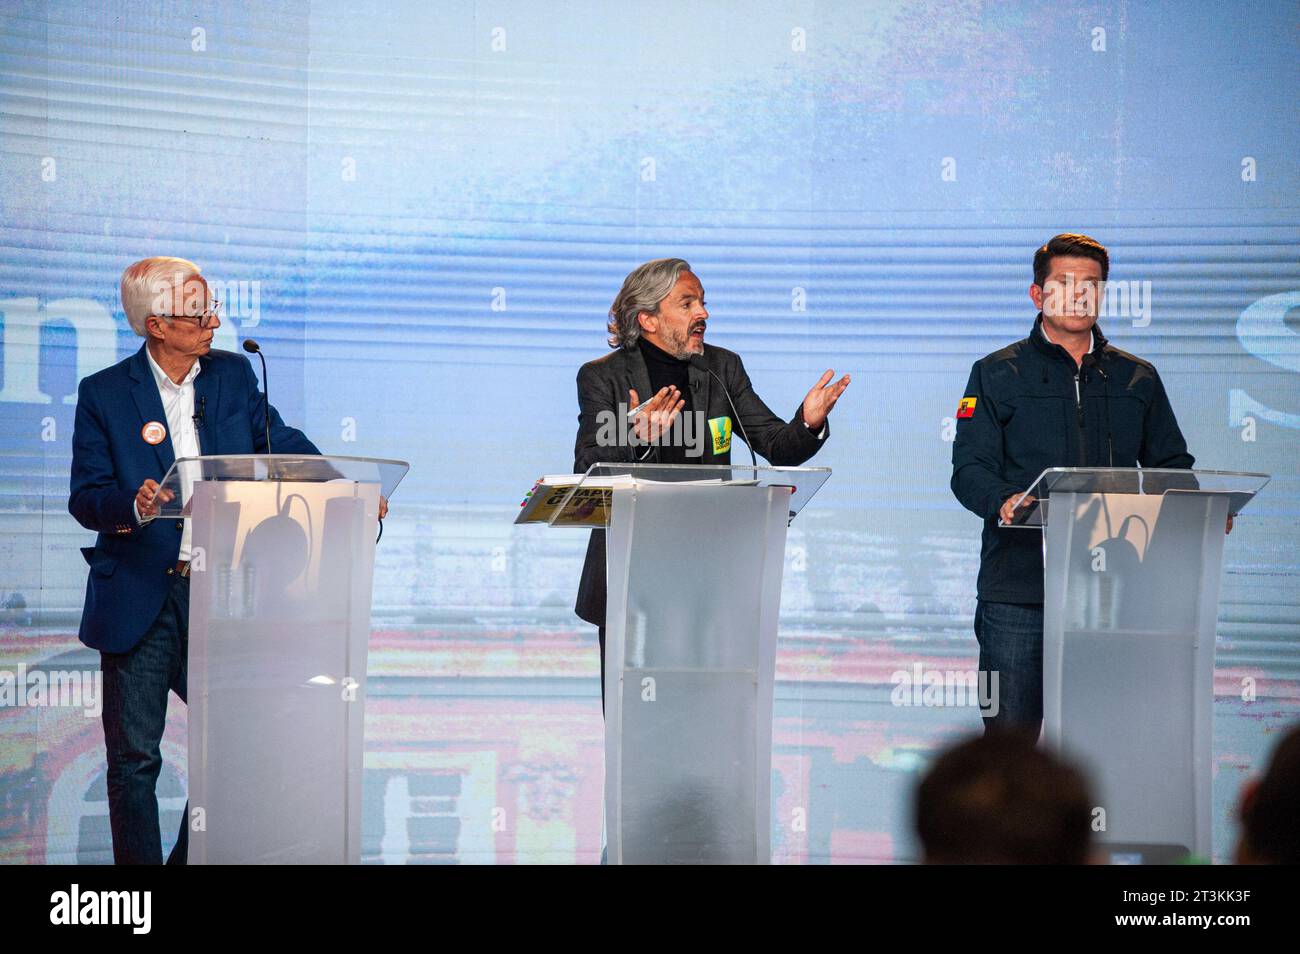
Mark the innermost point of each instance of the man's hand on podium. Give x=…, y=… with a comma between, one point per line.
x=148, y=497
x=822, y=398
x=1013, y=504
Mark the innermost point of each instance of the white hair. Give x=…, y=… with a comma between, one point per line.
x=145, y=283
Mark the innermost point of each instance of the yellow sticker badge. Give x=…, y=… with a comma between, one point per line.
x=720, y=428
x=966, y=408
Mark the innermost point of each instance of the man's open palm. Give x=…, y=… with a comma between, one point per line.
x=822, y=398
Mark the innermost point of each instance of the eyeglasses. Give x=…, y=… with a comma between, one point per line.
x=204, y=320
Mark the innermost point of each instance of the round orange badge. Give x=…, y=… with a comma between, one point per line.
x=153, y=433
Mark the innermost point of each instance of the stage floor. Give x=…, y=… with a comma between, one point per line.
x=484, y=745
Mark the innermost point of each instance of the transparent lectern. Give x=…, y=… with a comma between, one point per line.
x=282, y=563
x=1132, y=559
x=695, y=559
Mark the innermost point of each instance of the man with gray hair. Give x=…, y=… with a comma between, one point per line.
x=657, y=325
x=175, y=397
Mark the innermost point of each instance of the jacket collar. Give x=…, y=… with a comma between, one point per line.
x=1053, y=350
x=138, y=366
x=148, y=403
x=700, y=382
x=640, y=374
x=140, y=369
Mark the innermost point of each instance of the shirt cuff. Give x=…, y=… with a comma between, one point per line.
x=820, y=435
x=139, y=521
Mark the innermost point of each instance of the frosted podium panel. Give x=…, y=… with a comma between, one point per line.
x=279, y=621
x=1130, y=612
x=694, y=595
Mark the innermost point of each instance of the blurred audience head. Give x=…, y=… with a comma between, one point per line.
x=1270, y=809
x=999, y=799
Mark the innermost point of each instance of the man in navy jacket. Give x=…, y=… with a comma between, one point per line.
x=175, y=397
x=1063, y=397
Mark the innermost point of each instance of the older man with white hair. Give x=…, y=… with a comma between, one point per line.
x=175, y=397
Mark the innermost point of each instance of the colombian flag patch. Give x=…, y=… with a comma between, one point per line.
x=966, y=408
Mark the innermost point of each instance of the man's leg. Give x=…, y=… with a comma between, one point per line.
x=1011, y=645
x=600, y=633
x=136, y=684
x=180, y=685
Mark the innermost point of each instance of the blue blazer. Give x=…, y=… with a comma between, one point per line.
x=111, y=459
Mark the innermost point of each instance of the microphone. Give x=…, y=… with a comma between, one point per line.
x=1089, y=363
x=252, y=347
x=697, y=361
x=1105, y=390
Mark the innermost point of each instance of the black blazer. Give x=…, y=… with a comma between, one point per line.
x=603, y=384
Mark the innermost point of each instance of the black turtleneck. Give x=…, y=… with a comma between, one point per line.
x=666, y=370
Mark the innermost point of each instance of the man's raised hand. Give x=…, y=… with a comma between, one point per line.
x=822, y=398
x=658, y=414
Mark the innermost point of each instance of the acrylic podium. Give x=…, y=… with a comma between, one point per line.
x=695, y=559
x=282, y=562
x=1132, y=560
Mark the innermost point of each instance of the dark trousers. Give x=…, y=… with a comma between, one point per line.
x=136, y=684
x=600, y=634
x=1011, y=644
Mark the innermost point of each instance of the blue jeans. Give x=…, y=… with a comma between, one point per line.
x=136, y=684
x=1011, y=644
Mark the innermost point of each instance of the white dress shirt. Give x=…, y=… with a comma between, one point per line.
x=178, y=405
